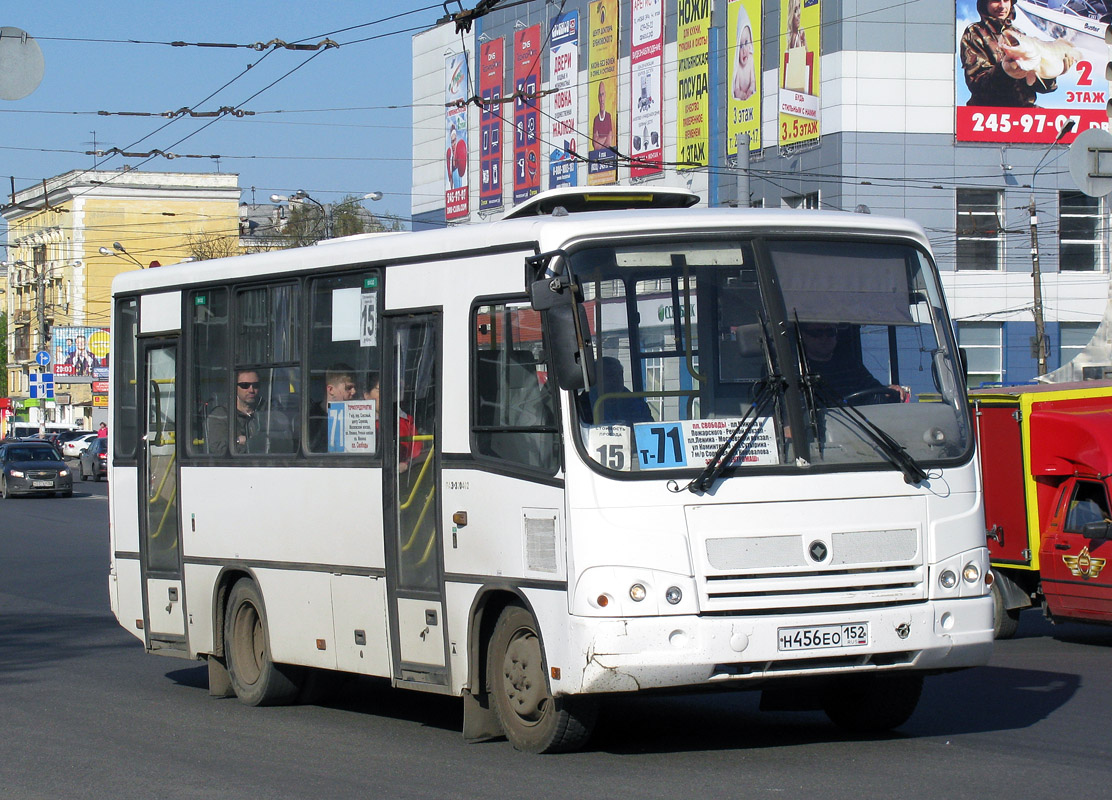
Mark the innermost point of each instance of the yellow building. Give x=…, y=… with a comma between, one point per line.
x=68, y=238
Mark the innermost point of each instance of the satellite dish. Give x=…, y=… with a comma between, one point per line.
x=1091, y=162
x=21, y=64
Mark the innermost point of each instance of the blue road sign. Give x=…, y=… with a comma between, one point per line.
x=42, y=358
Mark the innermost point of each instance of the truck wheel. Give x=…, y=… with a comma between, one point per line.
x=1005, y=620
x=255, y=678
x=873, y=703
x=532, y=719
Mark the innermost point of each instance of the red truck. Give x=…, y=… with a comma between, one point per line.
x=1046, y=462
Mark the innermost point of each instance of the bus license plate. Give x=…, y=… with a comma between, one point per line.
x=41, y=484
x=818, y=637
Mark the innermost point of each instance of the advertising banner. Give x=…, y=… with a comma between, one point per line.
x=800, y=46
x=80, y=351
x=602, y=93
x=646, y=145
x=1024, y=69
x=527, y=81
x=456, y=88
x=563, y=108
x=693, y=82
x=491, y=77
x=743, y=90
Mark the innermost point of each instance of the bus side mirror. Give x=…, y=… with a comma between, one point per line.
x=569, y=351
x=963, y=359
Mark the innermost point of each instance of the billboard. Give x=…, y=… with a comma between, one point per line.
x=491, y=75
x=743, y=89
x=602, y=93
x=693, y=83
x=800, y=47
x=563, y=114
x=80, y=351
x=1025, y=69
x=527, y=82
x=455, y=136
x=646, y=135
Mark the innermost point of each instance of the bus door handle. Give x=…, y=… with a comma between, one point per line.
x=1061, y=546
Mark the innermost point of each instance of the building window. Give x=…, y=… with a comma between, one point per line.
x=1074, y=337
x=803, y=201
x=1080, y=243
x=980, y=229
x=981, y=343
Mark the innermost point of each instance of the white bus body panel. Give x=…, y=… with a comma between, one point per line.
x=160, y=313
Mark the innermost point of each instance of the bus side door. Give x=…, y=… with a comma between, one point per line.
x=409, y=421
x=159, y=524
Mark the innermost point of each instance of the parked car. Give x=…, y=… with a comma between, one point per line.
x=33, y=467
x=71, y=448
x=94, y=459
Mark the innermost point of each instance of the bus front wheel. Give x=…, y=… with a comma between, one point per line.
x=256, y=679
x=532, y=719
x=870, y=704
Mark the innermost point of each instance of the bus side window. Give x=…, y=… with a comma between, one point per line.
x=344, y=344
x=268, y=354
x=208, y=332
x=513, y=407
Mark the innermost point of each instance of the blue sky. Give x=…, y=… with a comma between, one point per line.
x=312, y=145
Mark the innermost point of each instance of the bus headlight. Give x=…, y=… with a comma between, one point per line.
x=637, y=592
x=948, y=579
x=971, y=573
x=674, y=595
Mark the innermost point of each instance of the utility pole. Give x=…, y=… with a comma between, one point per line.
x=1036, y=274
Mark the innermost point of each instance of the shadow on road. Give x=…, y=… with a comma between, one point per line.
x=973, y=701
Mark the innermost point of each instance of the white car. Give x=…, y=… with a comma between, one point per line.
x=73, y=448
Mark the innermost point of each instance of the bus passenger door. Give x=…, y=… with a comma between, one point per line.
x=409, y=420
x=159, y=531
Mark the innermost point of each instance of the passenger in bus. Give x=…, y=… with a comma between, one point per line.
x=339, y=387
x=625, y=408
x=258, y=429
x=839, y=372
x=408, y=449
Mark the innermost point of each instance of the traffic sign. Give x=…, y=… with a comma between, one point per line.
x=41, y=385
x=42, y=358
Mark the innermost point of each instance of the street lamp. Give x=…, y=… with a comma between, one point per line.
x=1036, y=274
x=104, y=251
x=301, y=194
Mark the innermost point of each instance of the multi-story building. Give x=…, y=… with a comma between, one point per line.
x=67, y=239
x=849, y=105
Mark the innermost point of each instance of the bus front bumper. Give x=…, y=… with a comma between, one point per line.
x=630, y=654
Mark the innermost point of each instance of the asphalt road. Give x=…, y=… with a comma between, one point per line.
x=84, y=713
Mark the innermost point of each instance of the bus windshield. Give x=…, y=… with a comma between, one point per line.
x=794, y=352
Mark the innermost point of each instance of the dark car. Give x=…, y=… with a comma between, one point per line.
x=94, y=460
x=33, y=467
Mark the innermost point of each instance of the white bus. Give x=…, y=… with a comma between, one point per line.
x=534, y=462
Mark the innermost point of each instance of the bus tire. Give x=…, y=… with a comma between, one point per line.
x=871, y=704
x=1005, y=621
x=255, y=678
x=533, y=720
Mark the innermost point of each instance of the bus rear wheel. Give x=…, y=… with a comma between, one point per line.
x=532, y=719
x=871, y=704
x=255, y=678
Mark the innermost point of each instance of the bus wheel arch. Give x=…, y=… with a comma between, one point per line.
x=254, y=676
x=532, y=719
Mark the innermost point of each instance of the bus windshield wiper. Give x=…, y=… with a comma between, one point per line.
x=771, y=387
x=889, y=447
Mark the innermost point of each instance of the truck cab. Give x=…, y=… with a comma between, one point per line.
x=1046, y=460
